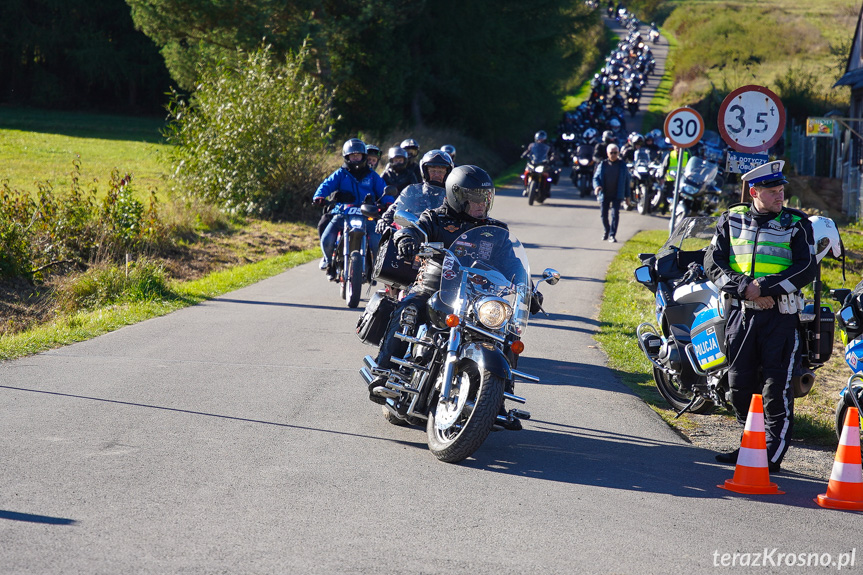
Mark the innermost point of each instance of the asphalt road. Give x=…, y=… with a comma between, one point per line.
x=235, y=437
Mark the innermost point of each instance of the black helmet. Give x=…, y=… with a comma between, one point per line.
x=540, y=136
x=411, y=147
x=435, y=158
x=466, y=184
x=449, y=149
x=373, y=150
x=354, y=146
x=397, y=152
x=608, y=137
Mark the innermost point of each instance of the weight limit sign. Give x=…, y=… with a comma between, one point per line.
x=684, y=127
x=751, y=119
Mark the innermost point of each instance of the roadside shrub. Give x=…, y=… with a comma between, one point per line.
x=251, y=139
x=107, y=283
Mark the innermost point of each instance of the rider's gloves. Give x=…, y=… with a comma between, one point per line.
x=381, y=226
x=407, y=248
x=536, y=303
x=319, y=202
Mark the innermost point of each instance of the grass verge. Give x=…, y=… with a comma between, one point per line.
x=82, y=326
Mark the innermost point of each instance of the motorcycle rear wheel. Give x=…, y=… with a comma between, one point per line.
x=473, y=424
x=354, y=280
x=676, y=397
x=532, y=189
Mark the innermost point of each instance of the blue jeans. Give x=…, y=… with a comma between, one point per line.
x=331, y=234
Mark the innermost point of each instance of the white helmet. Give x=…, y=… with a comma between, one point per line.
x=826, y=237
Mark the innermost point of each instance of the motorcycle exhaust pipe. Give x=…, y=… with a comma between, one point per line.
x=803, y=383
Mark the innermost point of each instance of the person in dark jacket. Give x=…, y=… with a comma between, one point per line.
x=413, y=149
x=763, y=254
x=435, y=166
x=396, y=172
x=611, y=184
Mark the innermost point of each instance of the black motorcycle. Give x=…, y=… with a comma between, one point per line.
x=460, y=366
x=581, y=174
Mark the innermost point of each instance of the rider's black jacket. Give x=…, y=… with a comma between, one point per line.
x=444, y=225
x=401, y=180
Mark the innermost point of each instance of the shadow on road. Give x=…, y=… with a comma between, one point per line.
x=558, y=452
x=283, y=304
x=30, y=518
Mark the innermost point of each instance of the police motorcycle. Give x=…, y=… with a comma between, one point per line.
x=699, y=192
x=353, y=255
x=460, y=367
x=850, y=320
x=539, y=174
x=686, y=347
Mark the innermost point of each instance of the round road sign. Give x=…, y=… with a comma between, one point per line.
x=684, y=127
x=751, y=119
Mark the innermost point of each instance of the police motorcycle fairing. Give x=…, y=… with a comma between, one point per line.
x=460, y=366
x=850, y=320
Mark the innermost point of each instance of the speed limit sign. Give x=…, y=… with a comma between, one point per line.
x=684, y=127
x=751, y=119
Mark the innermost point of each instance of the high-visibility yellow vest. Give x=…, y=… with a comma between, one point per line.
x=672, y=162
x=758, y=252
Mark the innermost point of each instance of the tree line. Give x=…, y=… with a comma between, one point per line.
x=494, y=70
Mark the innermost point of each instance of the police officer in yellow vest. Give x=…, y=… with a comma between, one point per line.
x=762, y=254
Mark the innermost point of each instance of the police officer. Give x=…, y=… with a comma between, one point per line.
x=762, y=254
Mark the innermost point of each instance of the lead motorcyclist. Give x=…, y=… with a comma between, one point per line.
x=540, y=150
x=435, y=166
x=469, y=198
x=348, y=186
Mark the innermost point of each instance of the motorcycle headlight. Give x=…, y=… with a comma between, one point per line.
x=583, y=161
x=493, y=312
x=540, y=168
x=356, y=223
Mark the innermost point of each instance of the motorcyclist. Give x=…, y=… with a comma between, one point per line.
x=435, y=166
x=413, y=149
x=600, y=151
x=396, y=172
x=348, y=186
x=588, y=142
x=450, y=149
x=374, y=156
x=469, y=198
x=651, y=143
x=539, y=151
x=634, y=145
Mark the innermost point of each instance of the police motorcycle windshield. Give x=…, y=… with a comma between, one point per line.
x=488, y=262
x=699, y=172
x=691, y=234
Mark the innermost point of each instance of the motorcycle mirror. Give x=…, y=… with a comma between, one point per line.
x=840, y=295
x=643, y=275
x=550, y=275
x=370, y=210
x=391, y=191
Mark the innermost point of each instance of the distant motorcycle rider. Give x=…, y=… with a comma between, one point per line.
x=396, y=172
x=450, y=149
x=348, y=186
x=539, y=151
x=469, y=198
x=435, y=166
x=413, y=149
x=600, y=151
x=374, y=156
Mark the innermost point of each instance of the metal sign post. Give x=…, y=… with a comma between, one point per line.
x=683, y=128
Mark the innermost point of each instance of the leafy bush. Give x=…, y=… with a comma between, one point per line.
x=73, y=227
x=251, y=139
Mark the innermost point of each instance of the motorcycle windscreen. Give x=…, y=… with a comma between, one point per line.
x=699, y=172
x=691, y=234
x=538, y=153
x=488, y=261
x=414, y=200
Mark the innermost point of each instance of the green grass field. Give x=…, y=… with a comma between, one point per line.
x=38, y=146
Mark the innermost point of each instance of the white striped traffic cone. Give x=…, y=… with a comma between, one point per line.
x=845, y=488
x=751, y=476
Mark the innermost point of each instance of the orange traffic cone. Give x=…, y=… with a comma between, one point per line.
x=751, y=476
x=845, y=489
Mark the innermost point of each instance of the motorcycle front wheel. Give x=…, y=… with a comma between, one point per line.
x=532, y=190
x=354, y=280
x=480, y=398
x=676, y=397
x=845, y=402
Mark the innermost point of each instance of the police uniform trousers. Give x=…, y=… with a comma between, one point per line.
x=768, y=340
